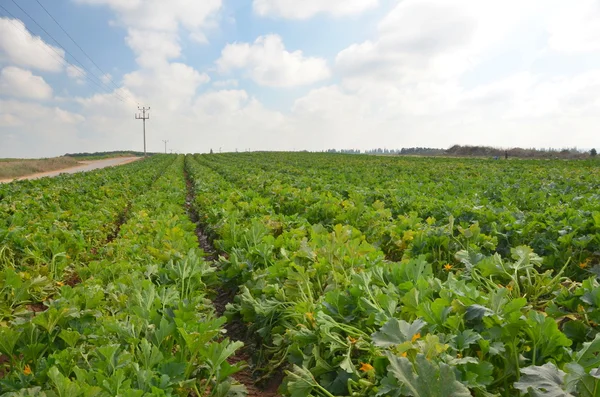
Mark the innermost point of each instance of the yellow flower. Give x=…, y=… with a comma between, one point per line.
x=310, y=316
x=404, y=354
x=447, y=267
x=27, y=370
x=352, y=340
x=366, y=367
x=416, y=337
x=509, y=287
x=60, y=283
x=585, y=264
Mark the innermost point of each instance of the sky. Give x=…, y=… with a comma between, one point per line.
x=297, y=75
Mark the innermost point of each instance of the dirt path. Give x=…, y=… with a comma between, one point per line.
x=83, y=167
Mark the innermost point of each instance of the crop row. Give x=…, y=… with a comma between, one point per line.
x=416, y=277
x=137, y=322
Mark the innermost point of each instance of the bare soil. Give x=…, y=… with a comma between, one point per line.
x=37, y=307
x=3, y=361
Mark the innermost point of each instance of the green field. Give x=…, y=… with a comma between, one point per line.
x=326, y=274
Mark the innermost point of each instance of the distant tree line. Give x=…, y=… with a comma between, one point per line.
x=344, y=151
x=487, y=151
x=407, y=151
x=107, y=154
x=475, y=151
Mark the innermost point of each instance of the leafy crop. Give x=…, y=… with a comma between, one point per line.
x=365, y=276
x=353, y=275
x=137, y=322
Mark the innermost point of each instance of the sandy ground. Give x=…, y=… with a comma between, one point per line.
x=83, y=167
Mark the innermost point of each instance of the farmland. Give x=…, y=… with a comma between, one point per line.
x=334, y=275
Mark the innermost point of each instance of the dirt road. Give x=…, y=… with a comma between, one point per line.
x=85, y=166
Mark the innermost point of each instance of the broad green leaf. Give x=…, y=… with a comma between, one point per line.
x=301, y=382
x=465, y=339
x=8, y=339
x=396, y=332
x=424, y=379
x=63, y=385
x=589, y=355
x=544, y=381
x=148, y=354
x=70, y=337
x=477, y=312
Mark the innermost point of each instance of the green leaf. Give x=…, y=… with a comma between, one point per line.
x=544, y=381
x=301, y=382
x=465, y=339
x=8, y=339
x=589, y=355
x=396, y=332
x=229, y=389
x=64, y=386
x=70, y=337
x=148, y=354
x=479, y=374
x=477, y=312
x=524, y=258
x=424, y=379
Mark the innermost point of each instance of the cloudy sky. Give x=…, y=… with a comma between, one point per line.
x=292, y=75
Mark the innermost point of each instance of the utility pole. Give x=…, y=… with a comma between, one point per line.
x=143, y=117
x=165, y=145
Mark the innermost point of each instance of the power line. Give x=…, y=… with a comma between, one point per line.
x=66, y=51
x=78, y=46
x=60, y=58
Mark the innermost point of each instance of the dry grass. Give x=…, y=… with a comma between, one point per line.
x=14, y=168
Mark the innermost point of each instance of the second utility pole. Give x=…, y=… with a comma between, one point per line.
x=165, y=145
x=143, y=117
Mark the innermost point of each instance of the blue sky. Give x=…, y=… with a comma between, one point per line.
x=284, y=75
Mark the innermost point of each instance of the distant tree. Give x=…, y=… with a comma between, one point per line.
x=211, y=152
x=593, y=152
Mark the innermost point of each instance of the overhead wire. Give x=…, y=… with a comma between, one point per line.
x=97, y=80
x=55, y=54
x=80, y=48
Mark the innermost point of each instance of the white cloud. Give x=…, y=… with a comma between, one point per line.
x=20, y=83
x=153, y=48
x=431, y=40
x=575, y=29
x=30, y=112
x=34, y=130
x=76, y=73
x=19, y=47
x=171, y=86
x=9, y=120
x=225, y=83
x=405, y=86
x=221, y=103
x=433, y=73
x=153, y=25
x=106, y=78
x=161, y=15
x=268, y=63
x=295, y=9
